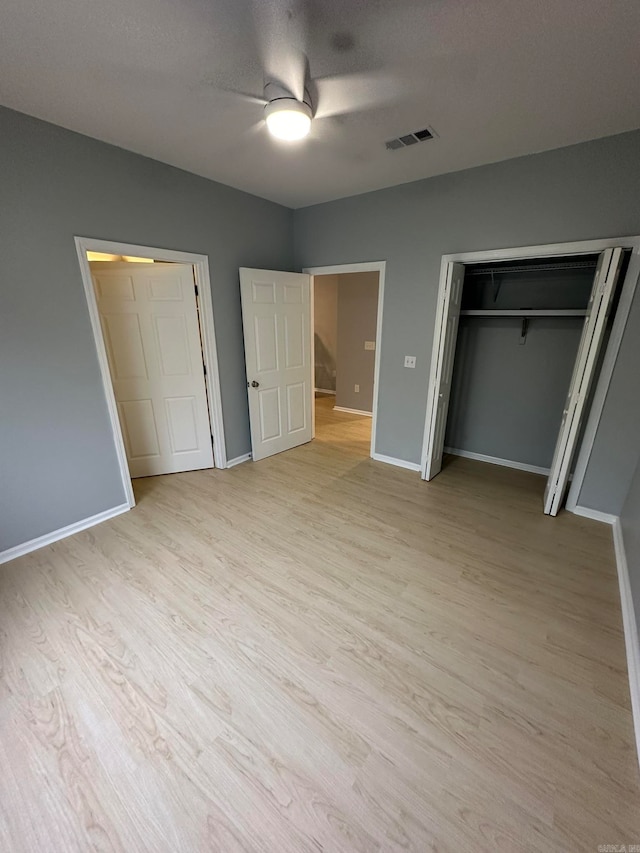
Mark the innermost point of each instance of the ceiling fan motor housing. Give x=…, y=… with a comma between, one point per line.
x=276, y=92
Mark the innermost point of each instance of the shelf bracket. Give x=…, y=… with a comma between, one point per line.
x=523, y=331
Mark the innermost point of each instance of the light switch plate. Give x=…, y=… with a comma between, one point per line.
x=369, y=345
x=409, y=361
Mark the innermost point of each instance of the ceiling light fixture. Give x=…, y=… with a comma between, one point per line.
x=288, y=118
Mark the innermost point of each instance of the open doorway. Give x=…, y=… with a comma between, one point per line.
x=347, y=302
x=345, y=311
x=152, y=321
x=278, y=326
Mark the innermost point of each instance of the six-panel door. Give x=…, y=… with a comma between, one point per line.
x=276, y=319
x=152, y=337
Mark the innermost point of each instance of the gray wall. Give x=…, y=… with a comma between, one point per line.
x=616, y=450
x=325, y=321
x=507, y=399
x=58, y=462
x=630, y=520
x=357, y=317
x=576, y=193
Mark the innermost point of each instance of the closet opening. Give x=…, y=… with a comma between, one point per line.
x=519, y=345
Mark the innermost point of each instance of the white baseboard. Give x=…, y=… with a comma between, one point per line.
x=352, y=411
x=62, y=533
x=399, y=463
x=595, y=514
x=630, y=628
x=325, y=391
x=494, y=460
x=238, y=460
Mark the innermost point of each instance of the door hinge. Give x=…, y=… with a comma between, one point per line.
x=204, y=367
x=195, y=287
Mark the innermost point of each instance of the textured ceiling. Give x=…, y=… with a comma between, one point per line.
x=494, y=78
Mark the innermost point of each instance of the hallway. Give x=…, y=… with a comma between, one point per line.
x=342, y=429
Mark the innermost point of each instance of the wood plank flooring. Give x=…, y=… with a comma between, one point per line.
x=318, y=652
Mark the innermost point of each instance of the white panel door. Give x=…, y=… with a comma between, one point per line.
x=276, y=317
x=444, y=351
x=151, y=332
x=602, y=293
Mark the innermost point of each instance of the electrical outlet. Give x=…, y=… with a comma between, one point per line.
x=369, y=345
x=409, y=361
x=356, y=388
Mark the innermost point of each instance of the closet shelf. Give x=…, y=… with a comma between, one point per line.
x=501, y=269
x=525, y=312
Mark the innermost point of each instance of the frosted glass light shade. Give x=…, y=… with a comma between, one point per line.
x=288, y=119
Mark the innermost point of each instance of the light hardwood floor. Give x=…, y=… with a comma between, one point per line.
x=342, y=430
x=318, y=652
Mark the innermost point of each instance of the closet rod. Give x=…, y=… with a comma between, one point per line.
x=523, y=312
x=570, y=265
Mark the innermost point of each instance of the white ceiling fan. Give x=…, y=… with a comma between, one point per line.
x=292, y=99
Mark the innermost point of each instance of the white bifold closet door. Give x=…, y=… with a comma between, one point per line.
x=444, y=351
x=276, y=317
x=151, y=333
x=600, y=302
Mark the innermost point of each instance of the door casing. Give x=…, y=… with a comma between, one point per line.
x=200, y=265
x=342, y=269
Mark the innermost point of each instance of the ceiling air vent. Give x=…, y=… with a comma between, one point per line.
x=409, y=139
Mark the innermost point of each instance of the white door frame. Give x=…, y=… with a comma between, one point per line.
x=341, y=269
x=582, y=247
x=200, y=265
